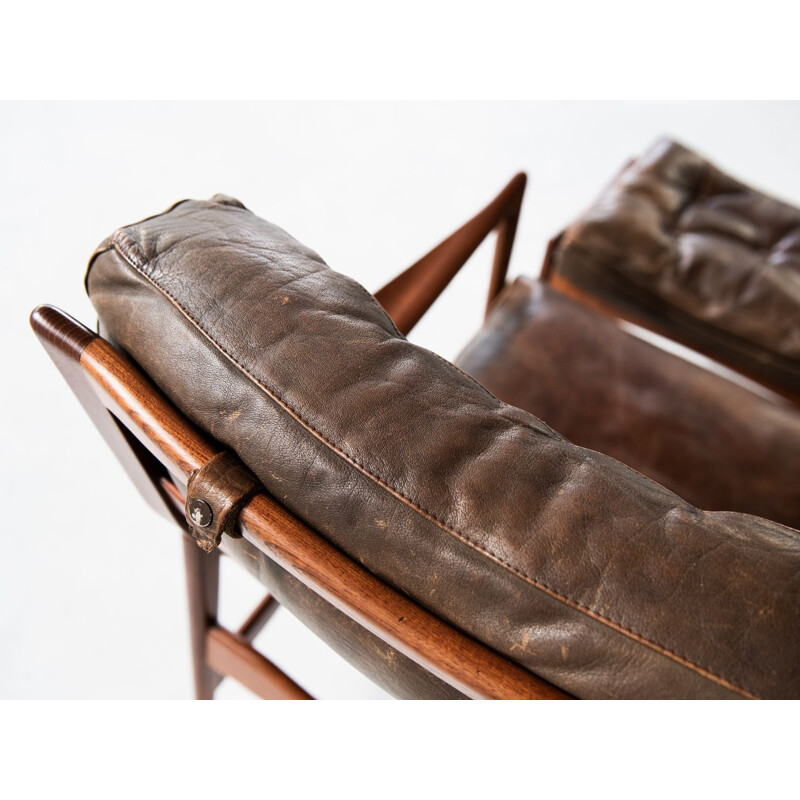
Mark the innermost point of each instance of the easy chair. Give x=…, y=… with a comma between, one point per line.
x=446, y=543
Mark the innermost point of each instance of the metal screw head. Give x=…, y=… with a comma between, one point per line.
x=200, y=513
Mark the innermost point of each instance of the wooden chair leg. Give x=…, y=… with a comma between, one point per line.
x=202, y=586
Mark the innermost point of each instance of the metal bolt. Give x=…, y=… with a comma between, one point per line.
x=200, y=513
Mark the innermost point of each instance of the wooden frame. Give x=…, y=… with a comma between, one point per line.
x=159, y=447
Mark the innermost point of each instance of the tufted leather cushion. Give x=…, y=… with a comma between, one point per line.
x=716, y=444
x=568, y=562
x=716, y=262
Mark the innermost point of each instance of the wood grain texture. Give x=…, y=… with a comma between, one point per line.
x=457, y=659
x=202, y=590
x=64, y=339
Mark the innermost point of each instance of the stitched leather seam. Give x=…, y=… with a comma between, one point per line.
x=556, y=595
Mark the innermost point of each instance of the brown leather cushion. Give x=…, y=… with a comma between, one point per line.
x=715, y=261
x=714, y=443
x=575, y=566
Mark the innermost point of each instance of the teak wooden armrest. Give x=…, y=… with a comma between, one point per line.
x=159, y=447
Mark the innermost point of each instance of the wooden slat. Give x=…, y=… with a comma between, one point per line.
x=259, y=617
x=230, y=655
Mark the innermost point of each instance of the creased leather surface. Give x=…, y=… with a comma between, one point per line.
x=678, y=228
x=573, y=565
x=714, y=443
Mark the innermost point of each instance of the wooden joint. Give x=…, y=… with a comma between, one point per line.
x=215, y=494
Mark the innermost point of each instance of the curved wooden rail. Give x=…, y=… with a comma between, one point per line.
x=408, y=296
x=180, y=447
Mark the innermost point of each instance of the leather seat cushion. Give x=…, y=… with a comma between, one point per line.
x=575, y=566
x=714, y=443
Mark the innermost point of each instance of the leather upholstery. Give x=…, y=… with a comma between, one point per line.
x=714, y=443
x=711, y=258
x=215, y=495
x=568, y=562
x=382, y=663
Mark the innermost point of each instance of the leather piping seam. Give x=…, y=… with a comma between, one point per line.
x=463, y=538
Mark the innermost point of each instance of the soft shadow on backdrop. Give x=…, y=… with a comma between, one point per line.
x=91, y=581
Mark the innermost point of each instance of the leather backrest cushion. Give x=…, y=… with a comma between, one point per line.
x=679, y=228
x=565, y=560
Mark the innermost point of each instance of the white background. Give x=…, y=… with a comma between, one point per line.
x=91, y=584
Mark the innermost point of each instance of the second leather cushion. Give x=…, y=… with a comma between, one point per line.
x=714, y=443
